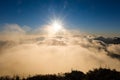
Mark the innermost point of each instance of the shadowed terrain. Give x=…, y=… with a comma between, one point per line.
x=96, y=74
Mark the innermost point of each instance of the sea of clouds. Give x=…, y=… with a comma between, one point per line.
x=25, y=51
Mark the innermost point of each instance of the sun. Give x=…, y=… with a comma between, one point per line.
x=56, y=26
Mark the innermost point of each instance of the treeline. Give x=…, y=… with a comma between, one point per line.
x=96, y=74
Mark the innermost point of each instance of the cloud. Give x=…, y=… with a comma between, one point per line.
x=26, y=53
x=13, y=29
x=114, y=48
x=114, y=51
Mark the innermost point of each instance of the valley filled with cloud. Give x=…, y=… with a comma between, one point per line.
x=24, y=51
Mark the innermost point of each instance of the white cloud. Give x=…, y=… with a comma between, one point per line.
x=114, y=48
x=13, y=29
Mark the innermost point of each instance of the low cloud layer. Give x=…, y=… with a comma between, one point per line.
x=24, y=53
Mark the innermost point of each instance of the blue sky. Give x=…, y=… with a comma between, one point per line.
x=94, y=16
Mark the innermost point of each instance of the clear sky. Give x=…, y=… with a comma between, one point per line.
x=102, y=16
